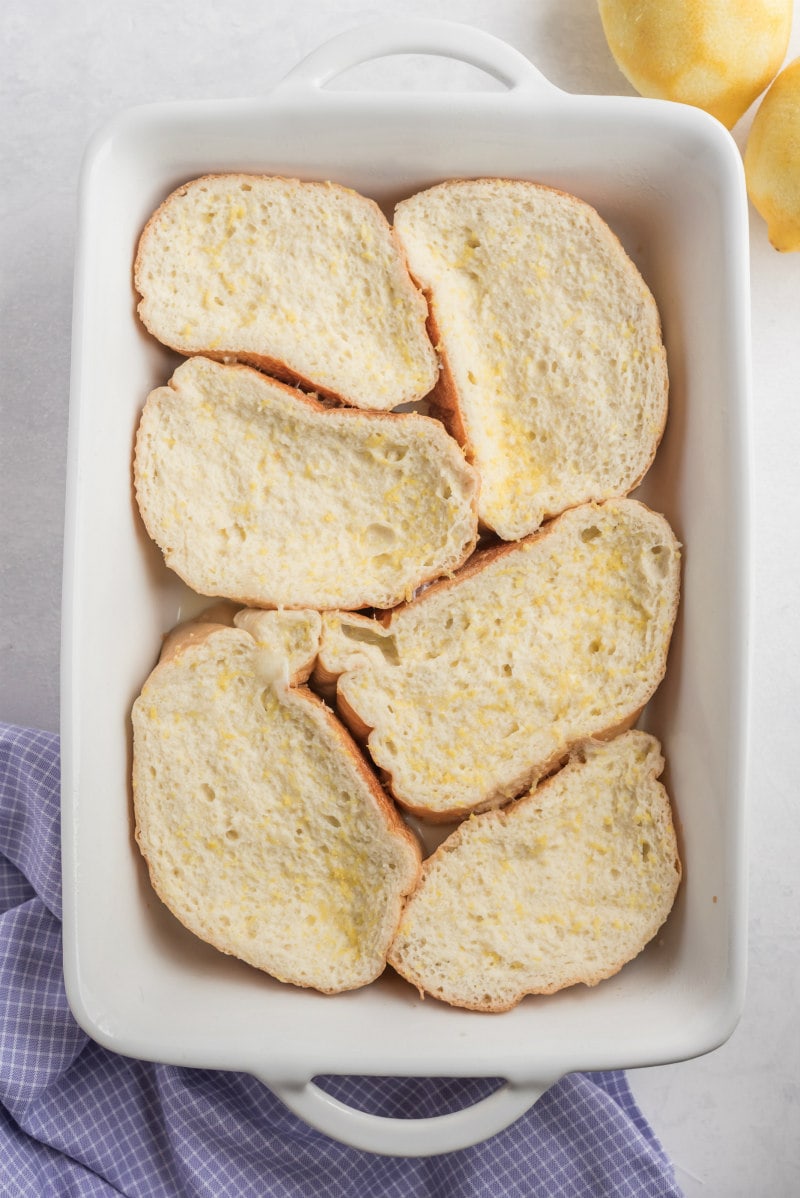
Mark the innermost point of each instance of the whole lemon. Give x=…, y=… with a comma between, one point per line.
x=716, y=54
x=772, y=159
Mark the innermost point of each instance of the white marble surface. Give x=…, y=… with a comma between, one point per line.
x=731, y=1120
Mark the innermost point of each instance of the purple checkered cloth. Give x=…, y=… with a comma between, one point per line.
x=76, y=1119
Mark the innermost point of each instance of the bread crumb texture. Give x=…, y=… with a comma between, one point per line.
x=564, y=886
x=476, y=688
x=555, y=369
x=262, y=829
x=256, y=492
x=305, y=276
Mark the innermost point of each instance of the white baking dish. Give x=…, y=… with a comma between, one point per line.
x=669, y=180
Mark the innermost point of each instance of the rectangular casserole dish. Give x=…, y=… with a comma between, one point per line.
x=668, y=179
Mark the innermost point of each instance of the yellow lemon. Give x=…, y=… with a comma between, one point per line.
x=772, y=159
x=716, y=54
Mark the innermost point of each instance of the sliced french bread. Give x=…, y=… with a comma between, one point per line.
x=483, y=683
x=263, y=828
x=554, y=375
x=258, y=493
x=565, y=885
x=305, y=280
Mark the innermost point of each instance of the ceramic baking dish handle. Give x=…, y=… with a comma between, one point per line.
x=409, y=1137
x=448, y=39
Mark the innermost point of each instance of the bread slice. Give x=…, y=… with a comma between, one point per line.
x=264, y=830
x=554, y=372
x=302, y=279
x=482, y=684
x=256, y=492
x=564, y=886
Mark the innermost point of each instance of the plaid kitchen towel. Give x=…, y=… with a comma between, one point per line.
x=78, y=1120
